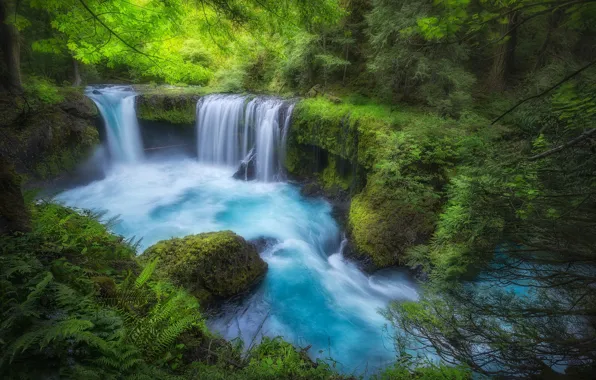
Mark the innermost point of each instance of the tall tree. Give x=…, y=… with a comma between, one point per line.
x=10, y=45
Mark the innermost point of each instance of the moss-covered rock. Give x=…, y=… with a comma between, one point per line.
x=384, y=224
x=48, y=139
x=174, y=109
x=215, y=264
x=395, y=164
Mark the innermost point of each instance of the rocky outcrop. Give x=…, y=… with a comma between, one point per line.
x=383, y=171
x=210, y=265
x=383, y=225
x=170, y=108
x=247, y=170
x=44, y=140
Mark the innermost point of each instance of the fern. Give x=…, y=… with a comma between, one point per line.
x=51, y=314
x=146, y=273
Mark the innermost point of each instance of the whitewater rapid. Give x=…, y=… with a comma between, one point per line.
x=310, y=295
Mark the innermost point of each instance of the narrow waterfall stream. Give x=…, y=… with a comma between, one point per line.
x=117, y=107
x=311, y=295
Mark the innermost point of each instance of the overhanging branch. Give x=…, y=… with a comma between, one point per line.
x=568, y=77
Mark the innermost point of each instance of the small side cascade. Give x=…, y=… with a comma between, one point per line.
x=232, y=128
x=116, y=105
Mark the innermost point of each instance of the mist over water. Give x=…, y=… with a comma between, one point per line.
x=311, y=295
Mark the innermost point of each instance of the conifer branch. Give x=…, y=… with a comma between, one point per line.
x=567, y=78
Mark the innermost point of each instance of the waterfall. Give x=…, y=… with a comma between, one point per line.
x=117, y=107
x=230, y=126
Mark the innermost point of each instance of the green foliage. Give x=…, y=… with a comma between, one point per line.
x=42, y=90
x=408, y=156
x=79, y=232
x=174, y=41
x=406, y=68
x=271, y=359
x=57, y=314
x=231, y=80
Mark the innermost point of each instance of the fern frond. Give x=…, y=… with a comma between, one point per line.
x=28, y=308
x=166, y=337
x=70, y=299
x=17, y=267
x=69, y=328
x=146, y=273
x=83, y=372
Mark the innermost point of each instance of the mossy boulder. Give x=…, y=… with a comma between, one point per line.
x=214, y=264
x=383, y=225
x=48, y=139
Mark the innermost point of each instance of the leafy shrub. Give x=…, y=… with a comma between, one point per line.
x=43, y=90
x=230, y=80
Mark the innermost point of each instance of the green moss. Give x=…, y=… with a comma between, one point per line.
x=218, y=264
x=408, y=155
x=42, y=90
x=179, y=109
x=333, y=179
x=66, y=157
x=385, y=222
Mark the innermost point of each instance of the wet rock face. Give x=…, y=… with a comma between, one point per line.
x=210, y=265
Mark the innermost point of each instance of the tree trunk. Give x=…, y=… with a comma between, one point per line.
x=541, y=56
x=14, y=215
x=9, y=43
x=77, y=81
x=504, y=59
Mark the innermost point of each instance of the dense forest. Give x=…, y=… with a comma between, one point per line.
x=457, y=138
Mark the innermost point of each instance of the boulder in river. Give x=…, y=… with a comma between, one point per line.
x=210, y=265
x=247, y=170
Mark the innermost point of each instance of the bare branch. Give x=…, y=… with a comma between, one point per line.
x=567, y=78
x=576, y=140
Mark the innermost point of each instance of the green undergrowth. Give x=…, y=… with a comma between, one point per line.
x=43, y=90
x=408, y=154
x=76, y=303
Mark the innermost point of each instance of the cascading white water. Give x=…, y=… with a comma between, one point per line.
x=218, y=121
x=117, y=106
x=229, y=126
x=311, y=295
